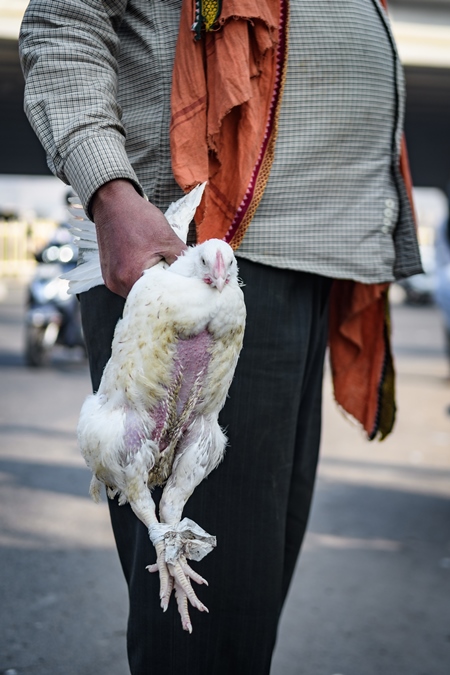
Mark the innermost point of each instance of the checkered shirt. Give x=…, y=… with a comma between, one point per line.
x=98, y=79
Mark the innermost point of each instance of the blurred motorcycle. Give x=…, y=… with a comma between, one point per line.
x=53, y=316
x=420, y=288
x=431, y=209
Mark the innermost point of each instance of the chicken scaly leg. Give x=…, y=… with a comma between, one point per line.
x=200, y=450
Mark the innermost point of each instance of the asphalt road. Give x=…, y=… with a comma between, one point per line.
x=371, y=593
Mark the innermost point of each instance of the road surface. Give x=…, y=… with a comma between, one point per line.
x=371, y=595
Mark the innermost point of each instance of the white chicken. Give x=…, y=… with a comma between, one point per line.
x=154, y=419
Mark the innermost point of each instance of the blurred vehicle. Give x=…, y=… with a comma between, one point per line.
x=53, y=316
x=420, y=288
x=442, y=290
x=431, y=209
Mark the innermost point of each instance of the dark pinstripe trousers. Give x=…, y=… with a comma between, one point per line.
x=256, y=503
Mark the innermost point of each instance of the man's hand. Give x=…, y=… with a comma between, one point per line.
x=132, y=235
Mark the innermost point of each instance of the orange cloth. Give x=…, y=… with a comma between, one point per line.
x=360, y=354
x=226, y=93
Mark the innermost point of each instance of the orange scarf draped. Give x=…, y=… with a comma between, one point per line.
x=226, y=91
x=226, y=95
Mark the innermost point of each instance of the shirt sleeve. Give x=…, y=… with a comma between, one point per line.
x=69, y=51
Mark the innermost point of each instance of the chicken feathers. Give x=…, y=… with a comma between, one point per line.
x=154, y=419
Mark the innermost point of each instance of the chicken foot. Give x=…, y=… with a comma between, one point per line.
x=177, y=577
x=176, y=540
x=173, y=544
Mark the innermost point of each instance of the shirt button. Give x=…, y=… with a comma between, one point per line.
x=389, y=203
x=388, y=213
x=385, y=229
x=387, y=222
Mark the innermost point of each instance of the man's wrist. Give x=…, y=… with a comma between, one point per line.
x=96, y=161
x=113, y=190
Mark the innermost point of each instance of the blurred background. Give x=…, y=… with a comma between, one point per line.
x=372, y=589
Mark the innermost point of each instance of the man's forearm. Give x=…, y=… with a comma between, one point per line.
x=69, y=55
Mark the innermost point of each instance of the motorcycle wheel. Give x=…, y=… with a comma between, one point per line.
x=37, y=354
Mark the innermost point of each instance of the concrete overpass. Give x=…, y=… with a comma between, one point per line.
x=422, y=31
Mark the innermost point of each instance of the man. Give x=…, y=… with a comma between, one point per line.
x=109, y=85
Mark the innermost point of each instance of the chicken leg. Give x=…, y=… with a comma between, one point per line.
x=177, y=540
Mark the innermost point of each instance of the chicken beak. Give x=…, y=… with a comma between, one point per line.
x=220, y=283
x=219, y=272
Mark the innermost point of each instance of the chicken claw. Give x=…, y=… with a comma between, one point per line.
x=178, y=576
x=182, y=603
x=165, y=578
x=173, y=545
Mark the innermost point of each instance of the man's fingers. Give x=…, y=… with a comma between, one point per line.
x=133, y=235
